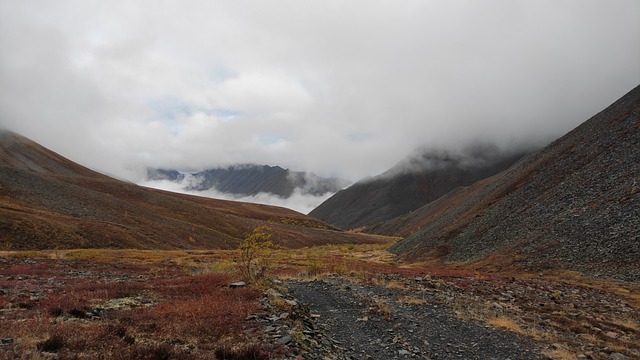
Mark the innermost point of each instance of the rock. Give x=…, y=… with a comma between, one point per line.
x=618, y=356
x=50, y=355
x=237, y=284
x=285, y=340
x=404, y=352
x=611, y=334
x=273, y=293
x=6, y=341
x=269, y=329
x=418, y=279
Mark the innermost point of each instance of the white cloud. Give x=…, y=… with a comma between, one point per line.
x=334, y=87
x=298, y=201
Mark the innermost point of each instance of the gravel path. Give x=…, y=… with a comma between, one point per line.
x=376, y=322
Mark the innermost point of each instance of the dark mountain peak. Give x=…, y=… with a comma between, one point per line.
x=252, y=179
x=420, y=178
x=164, y=174
x=471, y=157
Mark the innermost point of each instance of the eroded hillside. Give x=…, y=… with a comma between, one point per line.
x=573, y=205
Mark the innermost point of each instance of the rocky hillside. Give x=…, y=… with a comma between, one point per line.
x=412, y=183
x=573, y=205
x=48, y=201
x=252, y=180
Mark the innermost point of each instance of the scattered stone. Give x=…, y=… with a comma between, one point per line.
x=274, y=293
x=285, y=340
x=618, y=356
x=431, y=333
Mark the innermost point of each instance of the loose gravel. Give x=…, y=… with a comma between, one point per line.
x=376, y=322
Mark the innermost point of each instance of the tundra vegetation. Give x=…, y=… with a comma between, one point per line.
x=150, y=304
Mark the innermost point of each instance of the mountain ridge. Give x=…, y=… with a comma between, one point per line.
x=48, y=201
x=251, y=179
x=574, y=205
x=418, y=179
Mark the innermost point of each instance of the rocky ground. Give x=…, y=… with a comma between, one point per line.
x=573, y=205
x=371, y=322
x=453, y=318
x=172, y=305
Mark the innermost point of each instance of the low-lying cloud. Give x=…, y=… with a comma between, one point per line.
x=298, y=201
x=337, y=88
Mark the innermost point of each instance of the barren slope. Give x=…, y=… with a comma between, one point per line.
x=48, y=201
x=417, y=180
x=573, y=205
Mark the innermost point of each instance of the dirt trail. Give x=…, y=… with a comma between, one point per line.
x=378, y=322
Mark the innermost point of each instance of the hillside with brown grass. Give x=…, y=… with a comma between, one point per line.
x=48, y=201
x=573, y=205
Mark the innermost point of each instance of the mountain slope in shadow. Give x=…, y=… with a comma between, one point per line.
x=417, y=180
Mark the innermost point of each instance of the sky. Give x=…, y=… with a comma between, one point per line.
x=339, y=88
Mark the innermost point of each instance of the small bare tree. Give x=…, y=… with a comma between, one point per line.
x=256, y=253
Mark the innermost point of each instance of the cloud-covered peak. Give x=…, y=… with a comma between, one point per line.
x=337, y=88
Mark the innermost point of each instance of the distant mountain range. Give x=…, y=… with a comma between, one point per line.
x=573, y=205
x=48, y=201
x=417, y=180
x=249, y=180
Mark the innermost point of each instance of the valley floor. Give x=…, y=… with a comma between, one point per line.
x=409, y=321
x=331, y=302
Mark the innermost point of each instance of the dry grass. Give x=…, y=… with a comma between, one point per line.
x=506, y=323
x=412, y=301
x=626, y=324
x=394, y=285
x=381, y=308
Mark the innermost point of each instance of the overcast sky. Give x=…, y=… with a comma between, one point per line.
x=344, y=88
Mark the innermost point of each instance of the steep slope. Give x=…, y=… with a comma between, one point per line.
x=48, y=201
x=573, y=205
x=252, y=180
x=412, y=183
